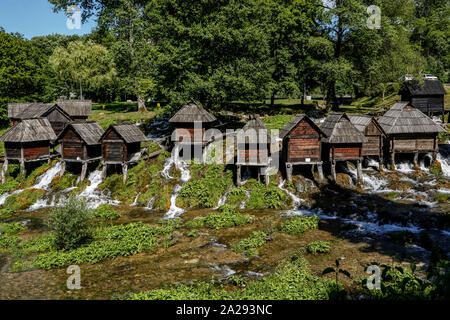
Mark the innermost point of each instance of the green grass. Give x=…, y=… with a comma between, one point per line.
x=118, y=112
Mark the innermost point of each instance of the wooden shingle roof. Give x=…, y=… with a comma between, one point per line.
x=89, y=131
x=39, y=110
x=429, y=87
x=30, y=130
x=403, y=118
x=254, y=129
x=192, y=112
x=361, y=121
x=338, y=129
x=128, y=132
x=76, y=108
x=15, y=109
x=291, y=125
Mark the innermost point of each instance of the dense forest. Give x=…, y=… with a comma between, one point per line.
x=217, y=51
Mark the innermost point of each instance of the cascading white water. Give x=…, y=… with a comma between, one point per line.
x=174, y=211
x=134, y=204
x=244, y=203
x=222, y=200
x=445, y=164
x=151, y=203
x=404, y=167
x=42, y=182
x=95, y=198
x=297, y=201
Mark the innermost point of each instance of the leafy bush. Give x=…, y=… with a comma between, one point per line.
x=262, y=197
x=11, y=228
x=71, y=223
x=193, y=233
x=236, y=196
x=8, y=186
x=249, y=245
x=291, y=280
x=66, y=181
x=8, y=241
x=319, y=247
x=299, y=225
x=106, y=211
x=436, y=168
x=209, y=182
x=109, y=242
x=226, y=218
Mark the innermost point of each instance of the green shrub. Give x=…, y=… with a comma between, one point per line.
x=107, y=212
x=8, y=241
x=66, y=181
x=262, y=197
x=442, y=197
x=249, y=246
x=236, y=196
x=436, y=168
x=193, y=233
x=11, y=228
x=299, y=225
x=319, y=247
x=227, y=217
x=71, y=223
x=6, y=212
x=8, y=186
x=109, y=242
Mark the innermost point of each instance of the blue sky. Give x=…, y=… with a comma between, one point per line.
x=36, y=18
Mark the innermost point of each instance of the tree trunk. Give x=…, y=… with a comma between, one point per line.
x=272, y=100
x=141, y=104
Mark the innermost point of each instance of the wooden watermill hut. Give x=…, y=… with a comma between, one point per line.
x=27, y=141
x=427, y=97
x=189, y=136
x=409, y=130
x=80, y=143
x=302, y=144
x=121, y=144
x=374, y=133
x=57, y=117
x=342, y=142
x=253, y=148
x=79, y=110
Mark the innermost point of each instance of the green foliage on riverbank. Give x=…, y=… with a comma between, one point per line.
x=266, y=197
x=227, y=217
x=291, y=280
x=299, y=225
x=249, y=246
x=107, y=212
x=23, y=200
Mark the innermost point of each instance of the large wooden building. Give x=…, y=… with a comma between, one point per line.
x=409, y=130
x=427, y=97
x=121, y=144
x=80, y=143
x=189, y=135
x=253, y=148
x=27, y=141
x=342, y=142
x=79, y=110
x=302, y=144
x=57, y=117
x=374, y=133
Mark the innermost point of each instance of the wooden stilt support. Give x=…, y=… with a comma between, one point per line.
x=434, y=156
x=393, y=160
x=23, y=171
x=289, y=170
x=63, y=169
x=238, y=175
x=83, y=171
x=104, y=169
x=380, y=165
x=416, y=159
x=125, y=172
x=259, y=174
x=333, y=169
x=266, y=177
x=359, y=171
x=320, y=170
x=204, y=154
x=4, y=170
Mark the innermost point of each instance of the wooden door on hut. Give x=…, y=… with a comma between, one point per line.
x=342, y=142
x=80, y=143
x=302, y=144
x=27, y=141
x=121, y=144
x=409, y=130
x=374, y=133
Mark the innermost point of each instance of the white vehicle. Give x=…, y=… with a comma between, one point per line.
x=429, y=77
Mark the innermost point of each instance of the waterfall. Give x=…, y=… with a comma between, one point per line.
x=136, y=200
x=95, y=198
x=244, y=203
x=404, y=167
x=222, y=200
x=151, y=203
x=42, y=182
x=444, y=158
x=297, y=201
x=174, y=211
